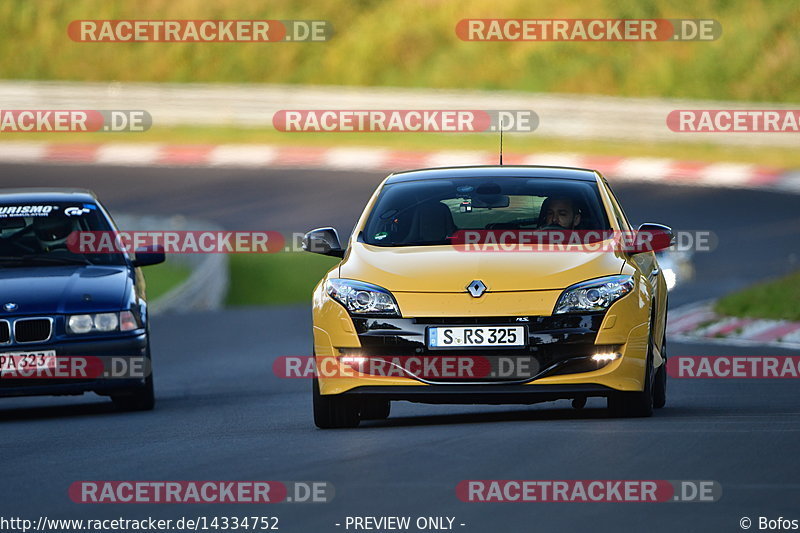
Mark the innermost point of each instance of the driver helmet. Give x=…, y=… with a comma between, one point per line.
x=52, y=231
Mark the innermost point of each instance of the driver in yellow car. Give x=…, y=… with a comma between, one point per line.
x=560, y=213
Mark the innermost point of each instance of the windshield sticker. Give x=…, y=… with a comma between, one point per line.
x=380, y=236
x=26, y=210
x=78, y=211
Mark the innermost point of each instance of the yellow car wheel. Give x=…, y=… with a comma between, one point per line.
x=375, y=410
x=333, y=411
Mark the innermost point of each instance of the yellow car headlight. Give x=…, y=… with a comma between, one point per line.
x=593, y=295
x=361, y=298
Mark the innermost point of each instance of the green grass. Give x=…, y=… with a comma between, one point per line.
x=281, y=278
x=779, y=299
x=256, y=279
x=160, y=279
x=513, y=144
x=412, y=43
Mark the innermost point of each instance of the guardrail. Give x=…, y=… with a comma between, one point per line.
x=561, y=115
x=207, y=285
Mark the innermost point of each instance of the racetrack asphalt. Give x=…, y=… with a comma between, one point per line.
x=222, y=414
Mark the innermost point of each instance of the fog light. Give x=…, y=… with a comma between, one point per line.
x=354, y=360
x=604, y=357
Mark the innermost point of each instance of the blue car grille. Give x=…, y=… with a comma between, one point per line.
x=5, y=332
x=32, y=329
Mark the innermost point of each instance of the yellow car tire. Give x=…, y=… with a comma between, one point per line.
x=331, y=412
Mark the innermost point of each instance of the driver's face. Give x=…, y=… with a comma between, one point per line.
x=561, y=213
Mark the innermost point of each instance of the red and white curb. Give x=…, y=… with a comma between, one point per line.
x=699, y=322
x=381, y=159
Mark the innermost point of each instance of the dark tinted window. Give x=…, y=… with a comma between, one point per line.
x=430, y=211
x=37, y=233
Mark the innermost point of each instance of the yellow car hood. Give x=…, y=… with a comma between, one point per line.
x=445, y=269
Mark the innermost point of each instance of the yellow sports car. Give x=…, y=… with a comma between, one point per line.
x=489, y=285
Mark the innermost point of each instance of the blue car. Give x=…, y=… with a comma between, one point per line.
x=58, y=304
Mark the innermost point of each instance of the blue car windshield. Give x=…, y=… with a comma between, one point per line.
x=39, y=234
x=429, y=212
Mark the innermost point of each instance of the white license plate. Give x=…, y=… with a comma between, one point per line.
x=476, y=336
x=15, y=362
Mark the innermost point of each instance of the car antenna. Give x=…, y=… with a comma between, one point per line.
x=501, y=143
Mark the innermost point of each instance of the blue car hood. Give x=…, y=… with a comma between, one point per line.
x=63, y=289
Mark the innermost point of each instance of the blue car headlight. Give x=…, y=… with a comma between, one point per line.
x=101, y=322
x=361, y=298
x=593, y=295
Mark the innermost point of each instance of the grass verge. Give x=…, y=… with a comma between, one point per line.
x=162, y=278
x=413, y=43
x=776, y=299
x=282, y=278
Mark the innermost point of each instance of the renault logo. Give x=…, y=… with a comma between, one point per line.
x=476, y=288
x=10, y=306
